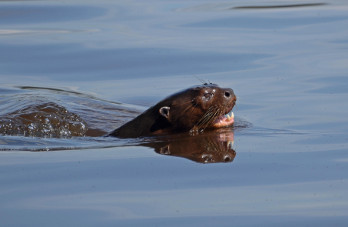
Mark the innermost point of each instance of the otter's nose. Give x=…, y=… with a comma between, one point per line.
x=229, y=94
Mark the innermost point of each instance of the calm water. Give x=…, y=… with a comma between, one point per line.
x=103, y=63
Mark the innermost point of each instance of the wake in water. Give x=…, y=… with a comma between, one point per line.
x=43, y=120
x=56, y=113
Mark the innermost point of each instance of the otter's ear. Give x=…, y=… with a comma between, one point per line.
x=164, y=111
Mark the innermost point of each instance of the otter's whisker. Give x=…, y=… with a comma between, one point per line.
x=208, y=117
x=216, y=114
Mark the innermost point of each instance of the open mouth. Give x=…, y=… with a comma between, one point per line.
x=224, y=120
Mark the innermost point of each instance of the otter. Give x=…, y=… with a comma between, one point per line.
x=193, y=110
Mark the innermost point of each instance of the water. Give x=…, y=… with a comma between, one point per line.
x=103, y=63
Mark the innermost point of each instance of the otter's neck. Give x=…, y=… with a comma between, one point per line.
x=145, y=124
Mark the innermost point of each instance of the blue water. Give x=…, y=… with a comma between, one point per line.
x=287, y=66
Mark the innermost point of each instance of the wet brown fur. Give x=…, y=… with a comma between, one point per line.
x=192, y=110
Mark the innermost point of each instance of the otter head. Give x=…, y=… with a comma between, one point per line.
x=198, y=108
x=193, y=110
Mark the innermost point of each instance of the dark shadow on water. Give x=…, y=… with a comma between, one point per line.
x=280, y=6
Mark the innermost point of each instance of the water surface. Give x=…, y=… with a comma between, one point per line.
x=103, y=63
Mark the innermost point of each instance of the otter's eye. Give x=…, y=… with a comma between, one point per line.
x=207, y=96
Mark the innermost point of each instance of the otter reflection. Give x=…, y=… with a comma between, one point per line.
x=211, y=147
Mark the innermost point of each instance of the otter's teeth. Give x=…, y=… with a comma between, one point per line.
x=230, y=144
x=230, y=115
